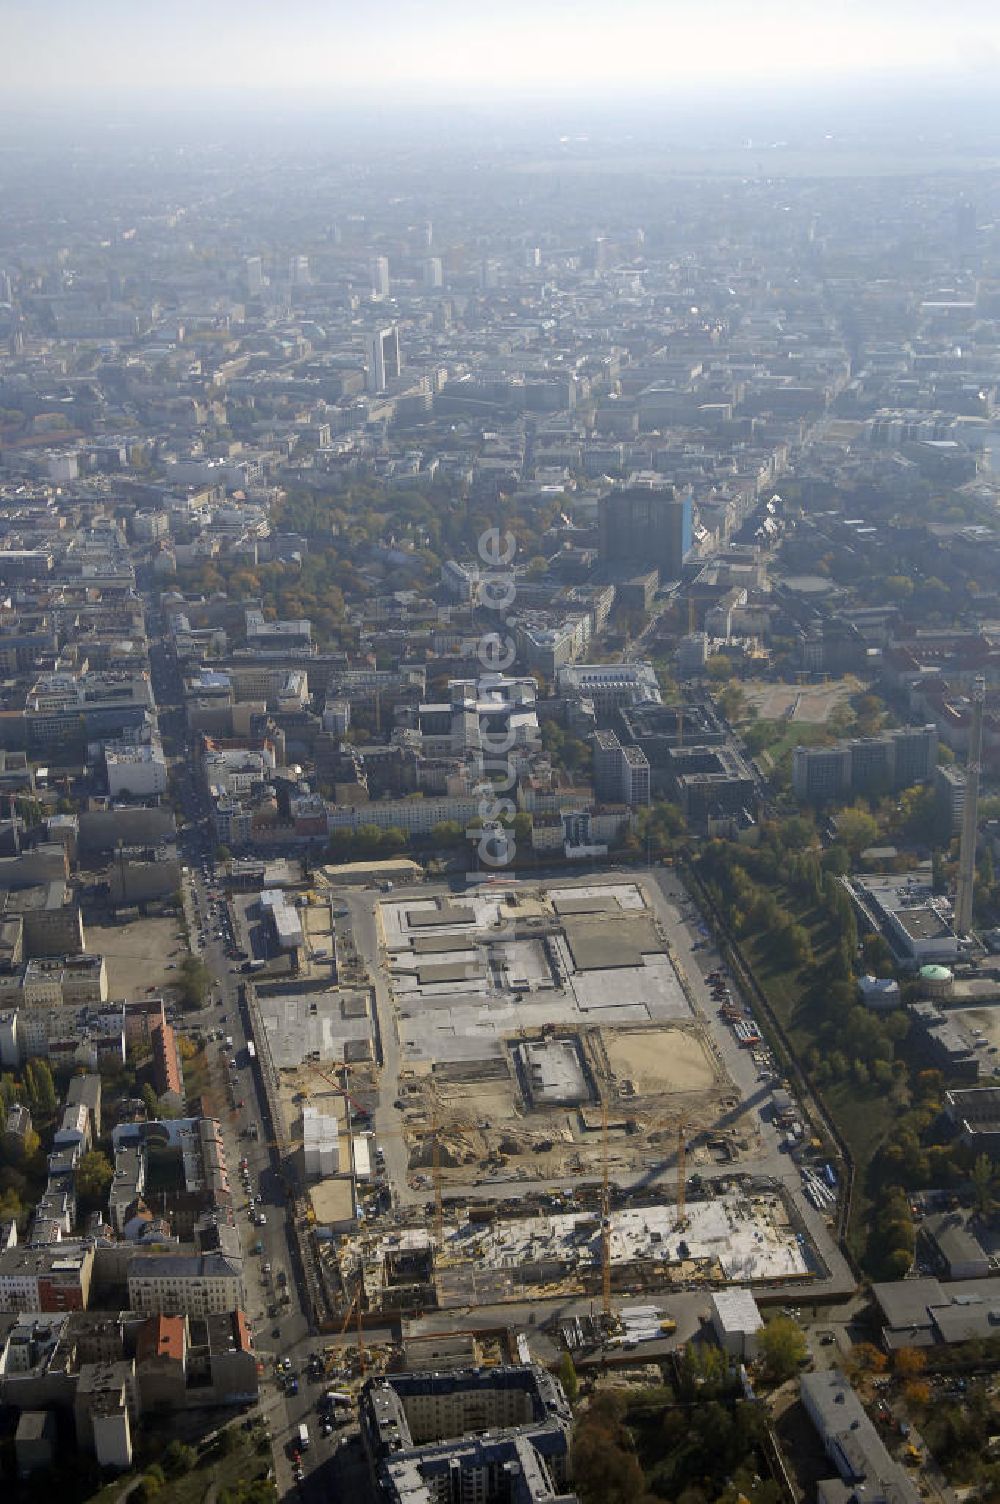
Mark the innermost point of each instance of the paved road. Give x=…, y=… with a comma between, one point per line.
x=362, y=906
x=287, y=1334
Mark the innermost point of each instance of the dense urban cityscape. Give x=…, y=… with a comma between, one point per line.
x=500, y=771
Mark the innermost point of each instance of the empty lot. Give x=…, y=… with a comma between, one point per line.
x=137, y=954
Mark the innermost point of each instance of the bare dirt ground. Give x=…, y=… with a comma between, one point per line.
x=137, y=954
x=813, y=703
x=484, y=1127
x=661, y=1060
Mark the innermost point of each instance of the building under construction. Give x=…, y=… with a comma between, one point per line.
x=566, y=1249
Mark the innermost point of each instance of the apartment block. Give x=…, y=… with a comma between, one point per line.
x=873, y=764
x=184, y=1284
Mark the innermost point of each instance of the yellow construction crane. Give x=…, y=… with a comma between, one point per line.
x=438, y=1193
x=350, y=1311
x=605, y=1218
x=355, y=1306
x=682, y=1220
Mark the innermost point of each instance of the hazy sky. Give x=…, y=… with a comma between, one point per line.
x=112, y=51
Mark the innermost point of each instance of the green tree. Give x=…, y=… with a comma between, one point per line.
x=981, y=1176
x=230, y=1441
x=10, y=1092
x=10, y=1205
x=761, y=735
x=797, y=833
x=856, y=828
x=790, y=945
x=94, y=1174
x=178, y=1459
x=41, y=1089
x=876, y=957
x=783, y=1348
x=732, y=701
x=447, y=833
x=568, y=1378
x=195, y=981
x=719, y=667
x=605, y=1470
x=249, y=1491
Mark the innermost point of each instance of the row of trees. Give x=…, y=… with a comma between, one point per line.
x=35, y=1088
x=758, y=891
x=891, y=1246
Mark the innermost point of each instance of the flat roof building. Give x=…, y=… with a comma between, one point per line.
x=736, y=1322
x=853, y=1445
x=474, y=1433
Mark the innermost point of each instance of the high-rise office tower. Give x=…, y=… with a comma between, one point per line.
x=254, y=268
x=298, y=270
x=384, y=361
x=15, y=339
x=970, y=815
x=433, y=272
x=380, y=277
x=965, y=225
x=643, y=525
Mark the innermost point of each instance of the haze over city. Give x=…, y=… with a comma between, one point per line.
x=499, y=752
x=112, y=50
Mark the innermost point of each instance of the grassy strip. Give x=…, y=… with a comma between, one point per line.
x=863, y=1114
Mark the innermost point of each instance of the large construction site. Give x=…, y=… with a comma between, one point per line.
x=555, y=1115
x=491, y=1256
x=543, y=1029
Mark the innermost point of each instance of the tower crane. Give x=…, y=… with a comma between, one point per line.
x=355, y=1306
x=682, y=1220
x=605, y=1219
x=438, y=1192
